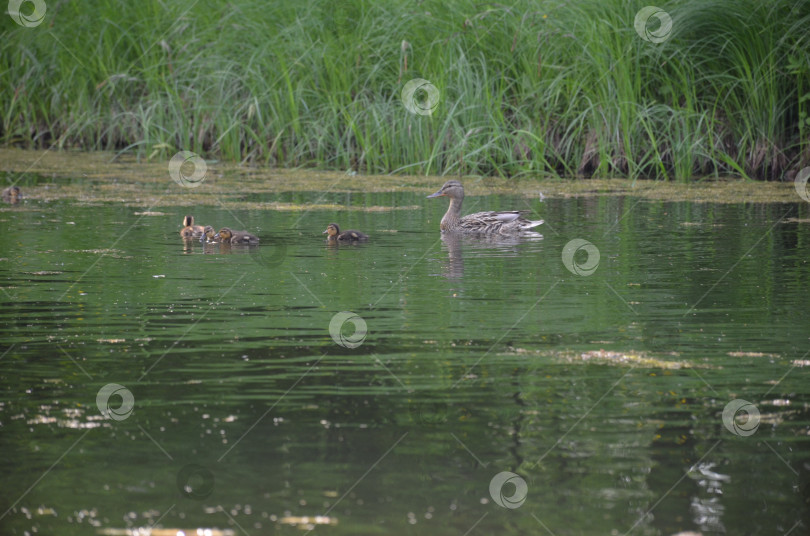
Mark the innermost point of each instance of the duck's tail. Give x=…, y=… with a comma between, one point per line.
x=529, y=224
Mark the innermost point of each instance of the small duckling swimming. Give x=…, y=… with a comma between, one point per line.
x=346, y=236
x=190, y=230
x=209, y=235
x=11, y=195
x=236, y=237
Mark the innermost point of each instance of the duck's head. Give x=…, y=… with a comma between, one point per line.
x=224, y=234
x=208, y=233
x=332, y=230
x=451, y=189
x=188, y=221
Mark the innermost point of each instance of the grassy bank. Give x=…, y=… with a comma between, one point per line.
x=567, y=89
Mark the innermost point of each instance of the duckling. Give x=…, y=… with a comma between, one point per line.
x=209, y=235
x=189, y=229
x=11, y=195
x=346, y=236
x=236, y=237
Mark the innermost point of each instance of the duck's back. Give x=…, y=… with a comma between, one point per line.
x=489, y=222
x=244, y=238
x=352, y=235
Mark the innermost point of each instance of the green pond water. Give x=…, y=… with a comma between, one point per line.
x=601, y=394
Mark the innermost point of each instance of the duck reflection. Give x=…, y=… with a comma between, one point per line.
x=454, y=267
x=486, y=245
x=208, y=248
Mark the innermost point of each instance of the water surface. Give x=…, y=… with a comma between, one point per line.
x=603, y=392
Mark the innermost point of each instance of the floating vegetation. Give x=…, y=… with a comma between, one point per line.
x=631, y=358
x=295, y=207
x=140, y=185
x=636, y=359
x=750, y=354
x=308, y=522
x=114, y=253
x=151, y=531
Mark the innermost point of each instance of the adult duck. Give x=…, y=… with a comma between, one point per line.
x=485, y=223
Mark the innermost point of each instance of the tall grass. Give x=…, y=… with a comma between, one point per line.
x=548, y=87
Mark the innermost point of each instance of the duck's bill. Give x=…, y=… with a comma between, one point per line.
x=437, y=194
x=325, y=232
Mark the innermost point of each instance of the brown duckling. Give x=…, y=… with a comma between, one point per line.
x=236, y=237
x=209, y=235
x=12, y=195
x=190, y=230
x=346, y=236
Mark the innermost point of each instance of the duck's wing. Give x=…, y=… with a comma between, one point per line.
x=507, y=216
x=493, y=222
x=492, y=217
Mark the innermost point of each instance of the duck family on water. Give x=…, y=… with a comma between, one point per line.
x=487, y=223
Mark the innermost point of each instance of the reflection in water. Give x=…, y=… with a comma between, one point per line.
x=481, y=246
x=191, y=245
x=213, y=248
x=454, y=267
x=707, y=510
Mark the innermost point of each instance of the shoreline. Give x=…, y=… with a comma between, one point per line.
x=130, y=177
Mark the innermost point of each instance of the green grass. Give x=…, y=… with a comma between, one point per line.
x=535, y=88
